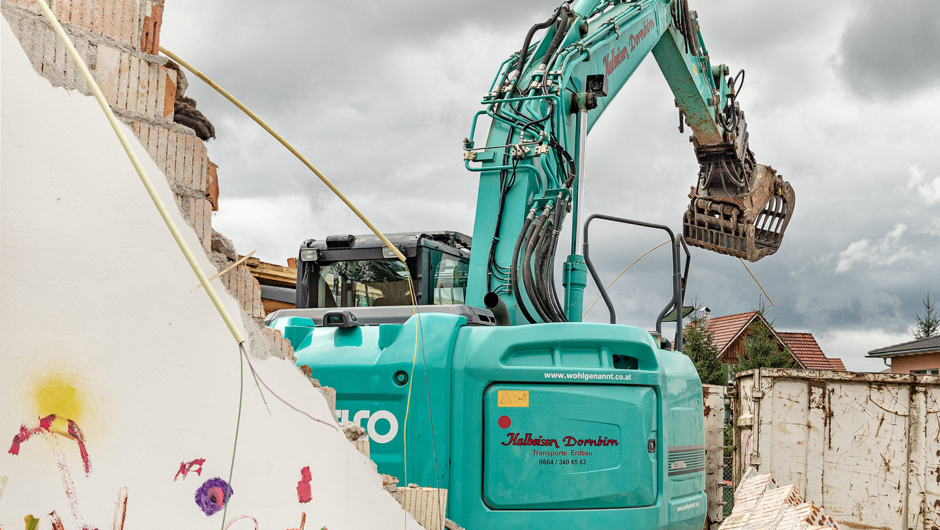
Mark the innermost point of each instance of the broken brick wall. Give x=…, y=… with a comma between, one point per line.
x=119, y=41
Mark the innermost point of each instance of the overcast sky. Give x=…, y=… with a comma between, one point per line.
x=842, y=98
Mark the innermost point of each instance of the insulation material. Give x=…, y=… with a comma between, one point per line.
x=119, y=389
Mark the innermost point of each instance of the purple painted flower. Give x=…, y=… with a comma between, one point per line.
x=212, y=495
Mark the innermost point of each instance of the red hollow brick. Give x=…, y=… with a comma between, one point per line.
x=212, y=191
x=150, y=36
x=169, y=95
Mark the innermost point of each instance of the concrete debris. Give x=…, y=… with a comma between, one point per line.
x=329, y=393
x=309, y=373
x=264, y=342
x=761, y=504
x=224, y=246
x=390, y=484
x=353, y=432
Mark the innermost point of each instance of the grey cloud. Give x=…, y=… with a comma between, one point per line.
x=379, y=96
x=891, y=49
x=884, y=251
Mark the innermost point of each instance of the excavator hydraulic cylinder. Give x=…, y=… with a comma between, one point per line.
x=574, y=280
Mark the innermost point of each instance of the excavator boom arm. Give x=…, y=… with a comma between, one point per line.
x=544, y=100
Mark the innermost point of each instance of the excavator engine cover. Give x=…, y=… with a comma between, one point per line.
x=749, y=225
x=563, y=425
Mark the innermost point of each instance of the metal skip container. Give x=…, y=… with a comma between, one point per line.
x=864, y=446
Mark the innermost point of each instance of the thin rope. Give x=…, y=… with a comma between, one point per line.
x=238, y=423
x=282, y=400
x=757, y=282
x=427, y=386
x=621, y=274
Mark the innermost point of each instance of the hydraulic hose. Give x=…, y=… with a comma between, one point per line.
x=499, y=217
x=525, y=47
x=561, y=27
x=560, y=211
x=690, y=32
x=527, y=279
x=544, y=260
x=513, y=270
x=538, y=268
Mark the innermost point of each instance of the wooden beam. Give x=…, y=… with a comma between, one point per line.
x=271, y=274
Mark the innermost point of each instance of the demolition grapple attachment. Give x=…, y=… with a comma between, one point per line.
x=747, y=223
x=739, y=207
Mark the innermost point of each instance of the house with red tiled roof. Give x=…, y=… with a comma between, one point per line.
x=731, y=333
x=807, y=352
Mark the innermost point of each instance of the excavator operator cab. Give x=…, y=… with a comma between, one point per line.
x=355, y=271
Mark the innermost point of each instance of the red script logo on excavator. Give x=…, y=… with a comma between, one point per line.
x=616, y=57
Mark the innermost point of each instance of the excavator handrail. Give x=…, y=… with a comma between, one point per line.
x=678, y=280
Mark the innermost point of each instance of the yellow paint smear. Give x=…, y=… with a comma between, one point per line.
x=54, y=394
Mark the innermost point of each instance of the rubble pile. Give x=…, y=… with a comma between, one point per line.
x=761, y=503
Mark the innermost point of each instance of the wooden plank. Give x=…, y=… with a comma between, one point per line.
x=273, y=305
x=271, y=274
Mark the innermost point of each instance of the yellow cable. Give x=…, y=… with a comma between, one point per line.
x=289, y=147
x=140, y=172
x=757, y=282
x=411, y=378
x=621, y=274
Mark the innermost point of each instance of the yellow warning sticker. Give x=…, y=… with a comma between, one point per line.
x=512, y=398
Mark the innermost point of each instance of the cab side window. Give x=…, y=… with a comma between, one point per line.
x=448, y=276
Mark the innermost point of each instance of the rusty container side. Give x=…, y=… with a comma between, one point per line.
x=864, y=446
x=714, y=401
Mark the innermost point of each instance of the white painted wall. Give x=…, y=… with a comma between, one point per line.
x=97, y=322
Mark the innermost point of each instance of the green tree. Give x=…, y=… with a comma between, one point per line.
x=699, y=345
x=929, y=324
x=761, y=350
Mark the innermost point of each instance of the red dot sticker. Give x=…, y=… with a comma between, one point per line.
x=504, y=422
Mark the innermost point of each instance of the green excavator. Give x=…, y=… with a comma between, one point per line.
x=529, y=417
